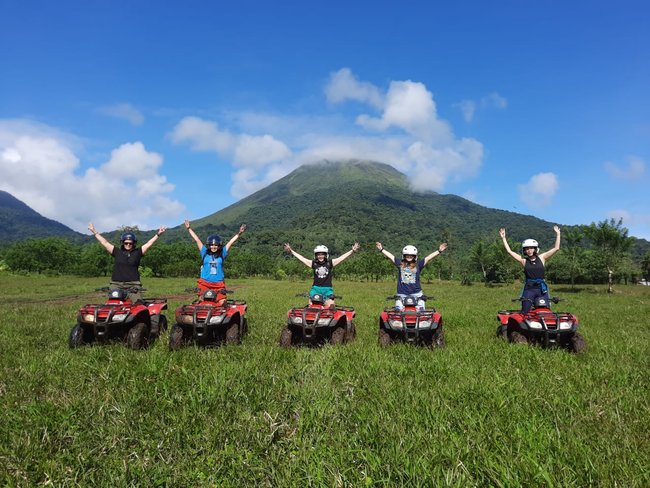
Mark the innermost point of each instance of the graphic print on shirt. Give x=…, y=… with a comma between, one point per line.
x=408, y=275
x=213, y=265
x=321, y=272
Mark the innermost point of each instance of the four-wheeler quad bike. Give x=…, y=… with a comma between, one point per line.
x=540, y=325
x=411, y=325
x=209, y=321
x=315, y=324
x=137, y=323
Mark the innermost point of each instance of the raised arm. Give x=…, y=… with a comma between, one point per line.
x=198, y=241
x=440, y=250
x=107, y=245
x=385, y=252
x=545, y=255
x=149, y=243
x=242, y=228
x=302, y=259
x=343, y=257
x=515, y=256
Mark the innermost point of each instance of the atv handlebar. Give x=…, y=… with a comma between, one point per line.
x=196, y=290
x=524, y=299
x=424, y=298
x=131, y=289
x=307, y=295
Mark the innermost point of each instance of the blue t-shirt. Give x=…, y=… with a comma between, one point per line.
x=212, y=267
x=408, y=280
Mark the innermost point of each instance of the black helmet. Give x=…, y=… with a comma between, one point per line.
x=214, y=239
x=128, y=236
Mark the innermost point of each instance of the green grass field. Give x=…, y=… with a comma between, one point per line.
x=478, y=413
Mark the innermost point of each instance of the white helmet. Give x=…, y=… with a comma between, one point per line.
x=530, y=243
x=321, y=248
x=411, y=250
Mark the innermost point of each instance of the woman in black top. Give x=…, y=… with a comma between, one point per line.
x=322, y=267
x=127, y=259
x=533, y=263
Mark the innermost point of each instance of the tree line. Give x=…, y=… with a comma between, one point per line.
x=598, y=253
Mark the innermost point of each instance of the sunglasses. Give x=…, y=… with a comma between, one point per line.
x=128, y=243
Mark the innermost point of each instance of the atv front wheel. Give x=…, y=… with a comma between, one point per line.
x=518, y=338
x=233, y=335
x=76, y=338
x=338, y=336
x=384, y=338
x=502, y=332
x=286, y=337
x=176, y=338
x=136, y=337
x=577, y=343
x=244, y=327
x=438, y=339
x=351, y=333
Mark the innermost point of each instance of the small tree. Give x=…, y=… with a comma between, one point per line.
x=610, y=240
x=573, y=252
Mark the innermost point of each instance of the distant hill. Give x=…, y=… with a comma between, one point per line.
x=336, y=203
x=331, y=202
x=19, y=222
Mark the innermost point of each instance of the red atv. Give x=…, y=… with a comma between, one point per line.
x=411, y=325
x=316, y=324
x=209, y=321
x=540, y=325
x=137, y=323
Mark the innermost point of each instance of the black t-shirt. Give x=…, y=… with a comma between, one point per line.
x=126, y=264
x=322, y=272
x=534, y=269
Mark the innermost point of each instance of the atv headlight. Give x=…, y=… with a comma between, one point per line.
x=396, y=324
x=296, y=320
x=88, y=317
x=534, y=325
x=217, y=319
x=565, y=325
x=119, y=317
x=324, y=321
x=186, y=319
x=424, y=324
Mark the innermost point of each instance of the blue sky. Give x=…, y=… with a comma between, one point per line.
x=145, y=113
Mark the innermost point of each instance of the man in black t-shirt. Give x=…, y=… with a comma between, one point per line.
x=127, y=260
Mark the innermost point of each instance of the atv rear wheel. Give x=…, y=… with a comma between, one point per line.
x=176, y=338
x=577, y=343
x=233, y=334
x=502, y=332
x=518, y=338
x=286, y=337
x=136, y=337
x=384, y=338
x=338, y=335
x=77, y=337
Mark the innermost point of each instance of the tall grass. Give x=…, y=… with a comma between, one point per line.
x=478, y=413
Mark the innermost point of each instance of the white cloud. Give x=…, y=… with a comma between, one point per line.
x=40, y=167
x=468, y=108
x=539, y=190
x=635, y=169
x=243, y=150
x=491, y=101
x=494, y=100
x=343, y=86
x=124, y=111
x=405, y=131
